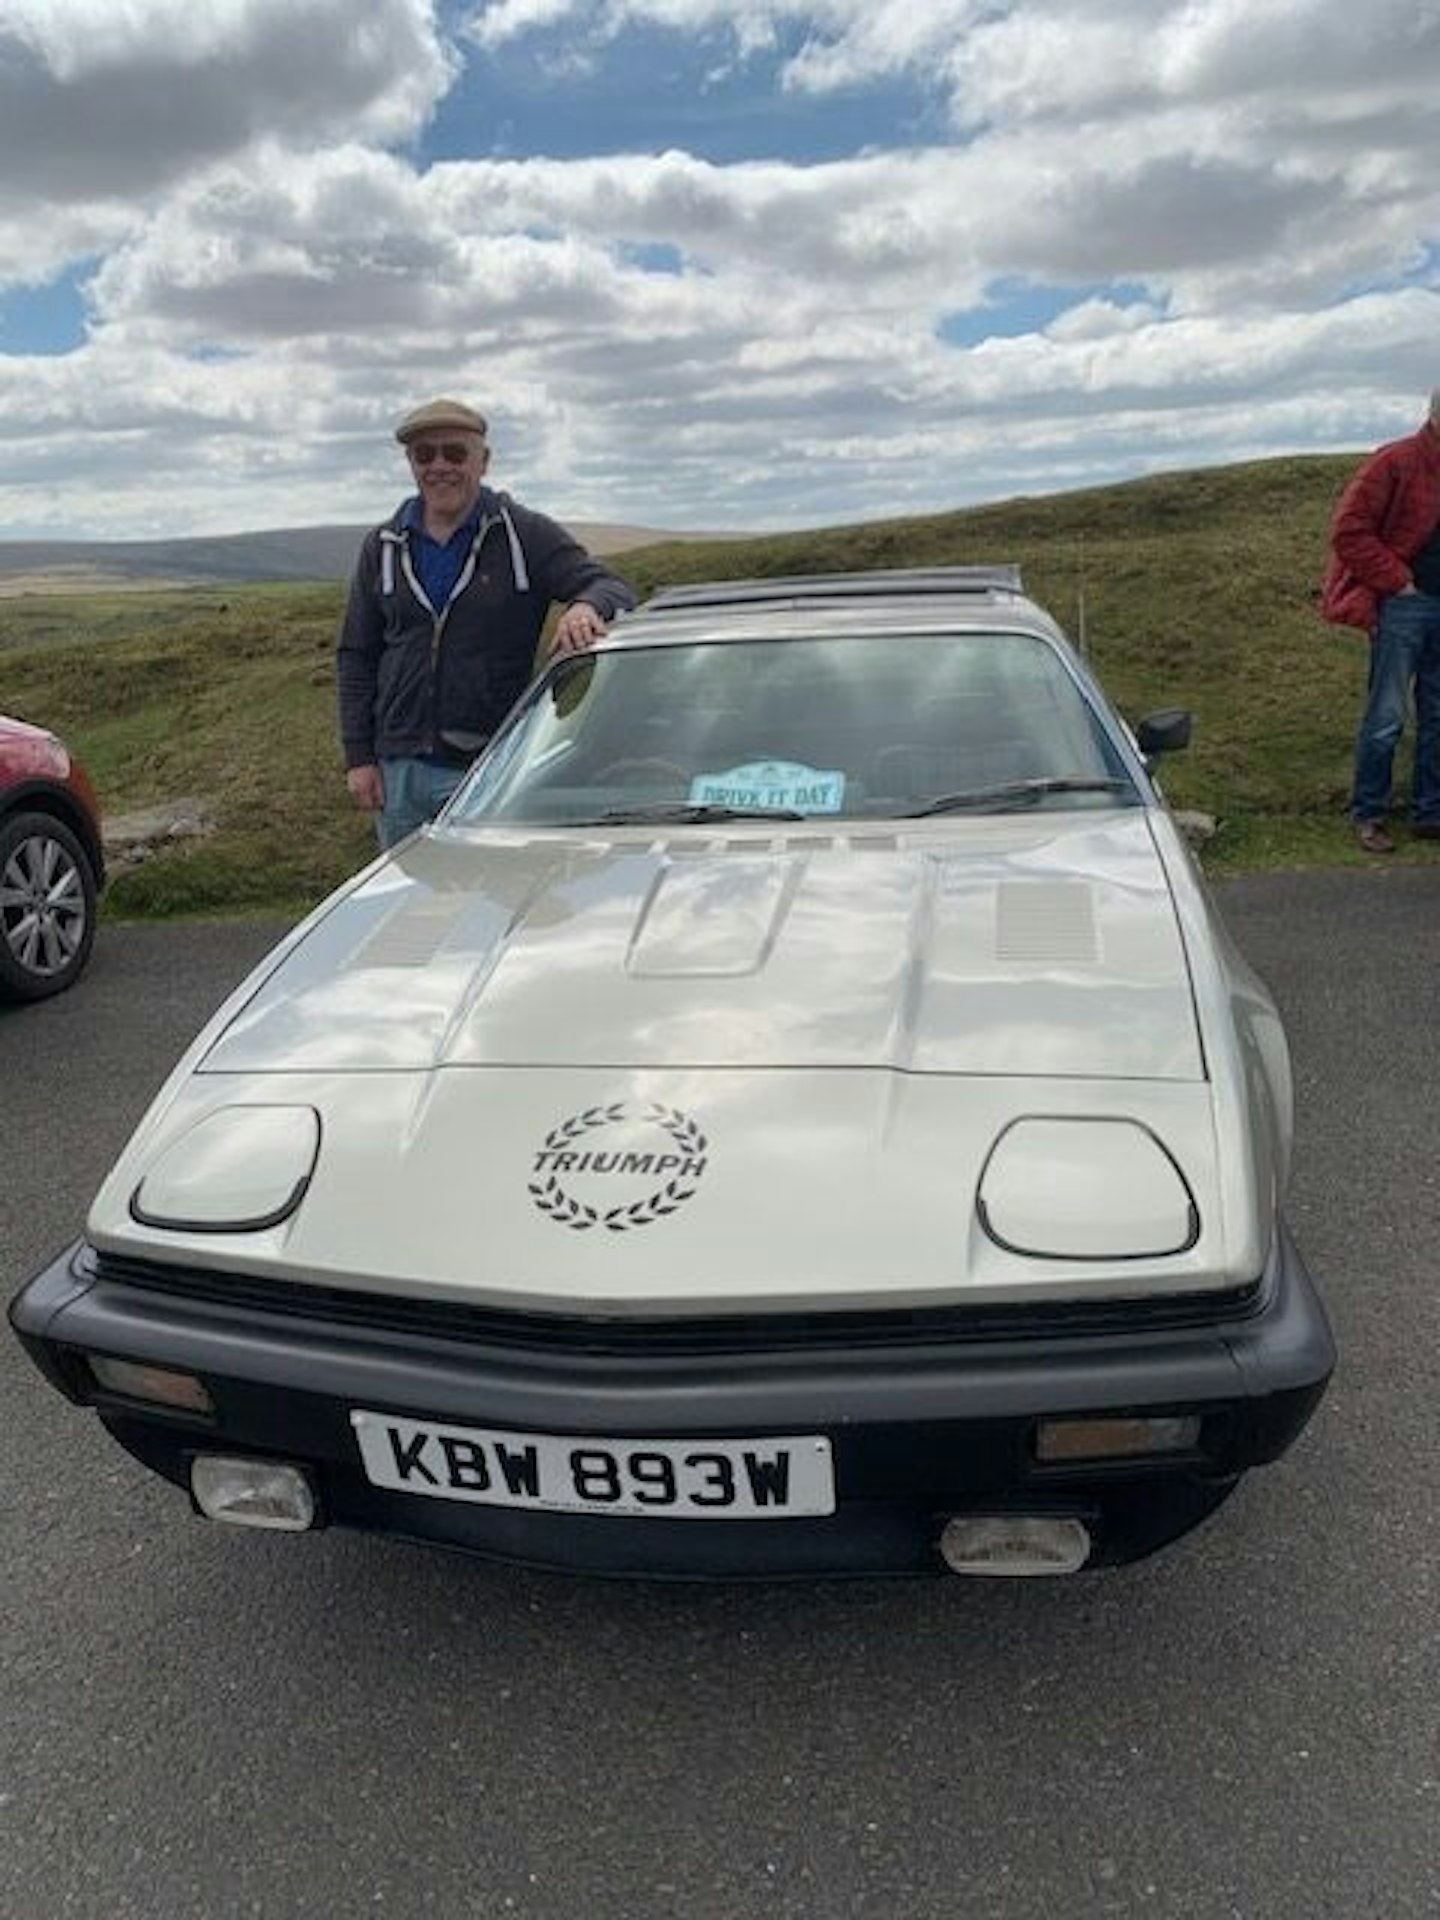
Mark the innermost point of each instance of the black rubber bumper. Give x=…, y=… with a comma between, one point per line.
x=920, y=1431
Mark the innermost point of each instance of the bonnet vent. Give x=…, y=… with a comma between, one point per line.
x=1046, y=923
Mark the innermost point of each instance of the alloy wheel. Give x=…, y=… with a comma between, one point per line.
x=44, y=906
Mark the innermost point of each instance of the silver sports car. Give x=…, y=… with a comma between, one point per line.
x=797, y=1111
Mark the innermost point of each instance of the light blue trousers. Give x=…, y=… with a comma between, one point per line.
x=415, y=791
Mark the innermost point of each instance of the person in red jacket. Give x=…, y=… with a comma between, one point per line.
x=1384, y=576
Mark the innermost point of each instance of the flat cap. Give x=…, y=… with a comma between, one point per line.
x=438, y=416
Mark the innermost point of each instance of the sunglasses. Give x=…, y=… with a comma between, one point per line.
x=453, y=452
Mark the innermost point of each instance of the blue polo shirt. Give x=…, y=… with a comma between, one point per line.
x=438, y=563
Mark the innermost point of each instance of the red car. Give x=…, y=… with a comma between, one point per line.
x=52, y=863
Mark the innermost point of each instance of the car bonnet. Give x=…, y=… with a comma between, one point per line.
x=1043, y=945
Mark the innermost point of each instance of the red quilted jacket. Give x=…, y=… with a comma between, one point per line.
x=1385, y=515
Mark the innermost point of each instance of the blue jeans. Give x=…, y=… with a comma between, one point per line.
x=1404, y=652
x=415, y=791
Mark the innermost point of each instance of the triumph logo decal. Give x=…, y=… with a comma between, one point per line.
x=618, y=1167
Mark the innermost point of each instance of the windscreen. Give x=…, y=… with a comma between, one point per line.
x=860, y=727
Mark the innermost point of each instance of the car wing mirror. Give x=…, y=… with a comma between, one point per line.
x=1165, y=731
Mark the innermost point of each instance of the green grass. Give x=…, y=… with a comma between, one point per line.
x=1197, y=590
x=226, y=697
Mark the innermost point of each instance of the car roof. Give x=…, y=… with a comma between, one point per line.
x=877, y=583
x=895, y=599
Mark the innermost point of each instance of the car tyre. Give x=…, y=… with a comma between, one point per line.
x=47, y=906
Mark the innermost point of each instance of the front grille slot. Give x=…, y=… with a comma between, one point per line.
x=551, y=1333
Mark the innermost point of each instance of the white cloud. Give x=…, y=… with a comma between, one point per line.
x=33, y=252
x=1103, y=319
x=1191, y=231
x=493, y=25
x=107, y=99
x=1036, y=58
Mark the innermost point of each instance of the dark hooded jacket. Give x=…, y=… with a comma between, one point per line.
x=410, y=674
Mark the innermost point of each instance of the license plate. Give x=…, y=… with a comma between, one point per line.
x=776, y=1478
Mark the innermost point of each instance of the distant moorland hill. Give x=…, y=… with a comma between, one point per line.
x=299, y=553
x=1185, y=589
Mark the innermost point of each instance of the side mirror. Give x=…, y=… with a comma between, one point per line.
x=1164, y=732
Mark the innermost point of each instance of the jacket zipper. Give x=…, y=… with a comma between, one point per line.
x=437, y=634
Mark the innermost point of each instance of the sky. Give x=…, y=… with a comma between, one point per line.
x=704, y=266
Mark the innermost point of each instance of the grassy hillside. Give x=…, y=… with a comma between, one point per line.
x=1197, y=590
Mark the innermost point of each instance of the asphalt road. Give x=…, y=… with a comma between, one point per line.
x=200, y=1722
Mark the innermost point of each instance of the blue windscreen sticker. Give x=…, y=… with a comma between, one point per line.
x=771, y=784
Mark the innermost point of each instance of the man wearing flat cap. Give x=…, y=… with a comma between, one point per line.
x=446, y=608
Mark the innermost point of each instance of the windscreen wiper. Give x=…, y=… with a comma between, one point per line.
x=1015, y=793
x=689, y=813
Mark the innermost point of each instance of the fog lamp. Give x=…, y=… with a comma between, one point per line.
x=1014, y=1544
x=252, y=1493
x=1125, y=1438
x=141, y=1382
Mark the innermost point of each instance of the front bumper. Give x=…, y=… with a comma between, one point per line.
x=925, y=1420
